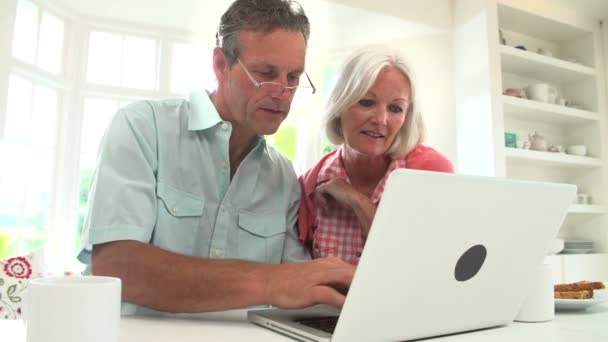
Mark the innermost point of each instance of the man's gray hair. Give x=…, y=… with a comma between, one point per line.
x=357, y=75
x=259, y=16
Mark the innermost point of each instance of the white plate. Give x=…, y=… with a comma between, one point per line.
x=577, y=250
x=576, y=304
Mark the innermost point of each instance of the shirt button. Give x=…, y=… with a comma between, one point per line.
x=224, y=126
x=175, y=210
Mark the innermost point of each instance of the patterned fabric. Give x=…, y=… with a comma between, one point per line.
x=335, y=230
x=15, y=275
x=338, y=231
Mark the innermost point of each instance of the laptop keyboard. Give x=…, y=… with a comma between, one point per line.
x=327, y=324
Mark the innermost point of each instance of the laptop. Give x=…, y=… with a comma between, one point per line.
x=446, y=254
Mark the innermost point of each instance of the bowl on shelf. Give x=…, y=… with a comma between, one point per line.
x=577, y=150
x=577, y=247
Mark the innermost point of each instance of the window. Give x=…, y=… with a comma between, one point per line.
x=50, y=45
x=27, y=153
x=25, y=32
x=38, y=37
x=39, y=169
x=120, y=60
x=191, y=68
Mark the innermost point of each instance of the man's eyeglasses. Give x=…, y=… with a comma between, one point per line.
x=274, y=87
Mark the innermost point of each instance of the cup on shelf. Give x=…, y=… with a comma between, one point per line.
x=577, y=150
x=515, y=92
x=556, y=149
x=510, y=140
x=541, y=92
x=545, y=52
x=537, y=141
x=583, y=198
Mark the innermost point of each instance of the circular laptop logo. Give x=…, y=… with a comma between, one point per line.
x=470, y=263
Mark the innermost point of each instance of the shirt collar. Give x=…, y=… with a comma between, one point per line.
x=203, y=113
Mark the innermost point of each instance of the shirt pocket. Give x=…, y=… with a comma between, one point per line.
x=178, y=219
x=261, y=237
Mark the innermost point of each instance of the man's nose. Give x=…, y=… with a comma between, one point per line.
x=282, y=93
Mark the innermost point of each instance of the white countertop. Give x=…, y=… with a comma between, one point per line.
x=583, y=326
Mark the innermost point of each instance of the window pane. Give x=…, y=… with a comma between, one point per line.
x=191, y=68
x=140, y=63
x=38, y=167
x=12, y=180
x=105, y=57
x=24, y=194
x=12, y=191
x=96, y=117
x=50, y=46
x=26, y=31
x=18, y=111
x=44, y=116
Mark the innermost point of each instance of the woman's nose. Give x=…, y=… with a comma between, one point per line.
x=381, y=116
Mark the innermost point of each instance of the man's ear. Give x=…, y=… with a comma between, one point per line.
x=220, y=64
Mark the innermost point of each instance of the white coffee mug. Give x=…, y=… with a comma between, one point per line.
x=541, y=92
x=73, y=309
x=539, y=304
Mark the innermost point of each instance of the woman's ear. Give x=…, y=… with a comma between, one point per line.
x=220, y=64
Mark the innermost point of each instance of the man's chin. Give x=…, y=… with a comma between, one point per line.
x=267, y=130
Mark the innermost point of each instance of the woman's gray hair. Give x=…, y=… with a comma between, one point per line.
x=259, y=16
x=357, y=75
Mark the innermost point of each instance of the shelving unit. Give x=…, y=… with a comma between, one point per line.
x=538, y=66
x=572, y=64
x=586, y=209
x=557, y=160
x=524, y=109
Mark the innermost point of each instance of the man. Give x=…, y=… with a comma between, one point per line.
x=189, y=206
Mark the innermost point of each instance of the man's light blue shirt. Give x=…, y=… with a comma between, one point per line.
x=163, y=177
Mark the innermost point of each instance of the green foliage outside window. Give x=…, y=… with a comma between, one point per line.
x=6, y=247
x=285, y=141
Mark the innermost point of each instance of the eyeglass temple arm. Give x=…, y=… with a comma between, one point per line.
x=314, y=90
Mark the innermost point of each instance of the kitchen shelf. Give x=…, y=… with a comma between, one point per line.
x=586, y=209
x=537, y=25
x=559, y=160
x=519, y=108
x=541, y=67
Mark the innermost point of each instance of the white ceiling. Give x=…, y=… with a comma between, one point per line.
x=339, y=25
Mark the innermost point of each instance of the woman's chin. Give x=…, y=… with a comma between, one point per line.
x=371, y=153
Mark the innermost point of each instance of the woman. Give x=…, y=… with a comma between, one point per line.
x=371, y=113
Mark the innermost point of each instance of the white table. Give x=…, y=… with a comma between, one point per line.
x=583, y=326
